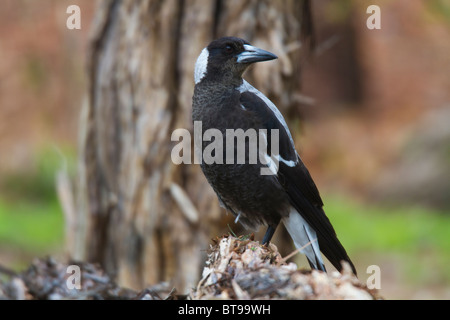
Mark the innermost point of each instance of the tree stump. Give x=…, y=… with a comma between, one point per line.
x=144, y=219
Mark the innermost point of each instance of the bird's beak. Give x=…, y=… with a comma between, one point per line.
x=253, y=54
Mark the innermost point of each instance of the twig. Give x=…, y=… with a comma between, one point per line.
x=96, y=278
x=7, y=271
x=231, y=231
x=295, y=252
x=184, y=203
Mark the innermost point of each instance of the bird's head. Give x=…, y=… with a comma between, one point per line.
x=227, y=59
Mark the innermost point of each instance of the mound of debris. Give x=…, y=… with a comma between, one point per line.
x=48, y=279
x=237, y=268
x=240, y=268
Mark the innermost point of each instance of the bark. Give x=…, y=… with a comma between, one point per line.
x=143, y=218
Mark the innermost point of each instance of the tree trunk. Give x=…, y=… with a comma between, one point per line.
x=143, y=218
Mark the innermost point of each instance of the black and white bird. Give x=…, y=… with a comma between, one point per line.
x=224, y=100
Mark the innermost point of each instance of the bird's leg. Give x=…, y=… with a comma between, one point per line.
x=269, y=234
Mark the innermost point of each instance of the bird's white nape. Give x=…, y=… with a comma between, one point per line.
x=201, y=66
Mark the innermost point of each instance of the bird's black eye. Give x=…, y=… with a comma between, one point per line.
x=229, y=49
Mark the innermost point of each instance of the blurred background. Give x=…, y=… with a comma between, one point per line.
x=375, y=133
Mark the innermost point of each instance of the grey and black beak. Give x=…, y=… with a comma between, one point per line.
x=253, y=54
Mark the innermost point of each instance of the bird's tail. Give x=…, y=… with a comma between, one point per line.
x=304, y=238
x=302, y=233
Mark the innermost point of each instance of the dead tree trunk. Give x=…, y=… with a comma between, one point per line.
x=143, y=218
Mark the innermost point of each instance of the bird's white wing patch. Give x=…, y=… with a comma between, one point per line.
x=271, y=163
x=201, y=66
x=286, y=162
x=248, y=87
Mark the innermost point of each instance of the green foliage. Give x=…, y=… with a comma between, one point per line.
x=417, y=236
x=338, y=11
x=31, y=219
x=37, y=182
x=35, y=73
x=374, y=227
x=441, y=8
x=31, y=227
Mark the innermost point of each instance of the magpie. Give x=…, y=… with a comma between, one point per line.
x=223, y=100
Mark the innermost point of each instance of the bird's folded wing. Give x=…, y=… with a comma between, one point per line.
x=295, y=177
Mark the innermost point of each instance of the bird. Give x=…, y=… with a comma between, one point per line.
x=224, y=101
